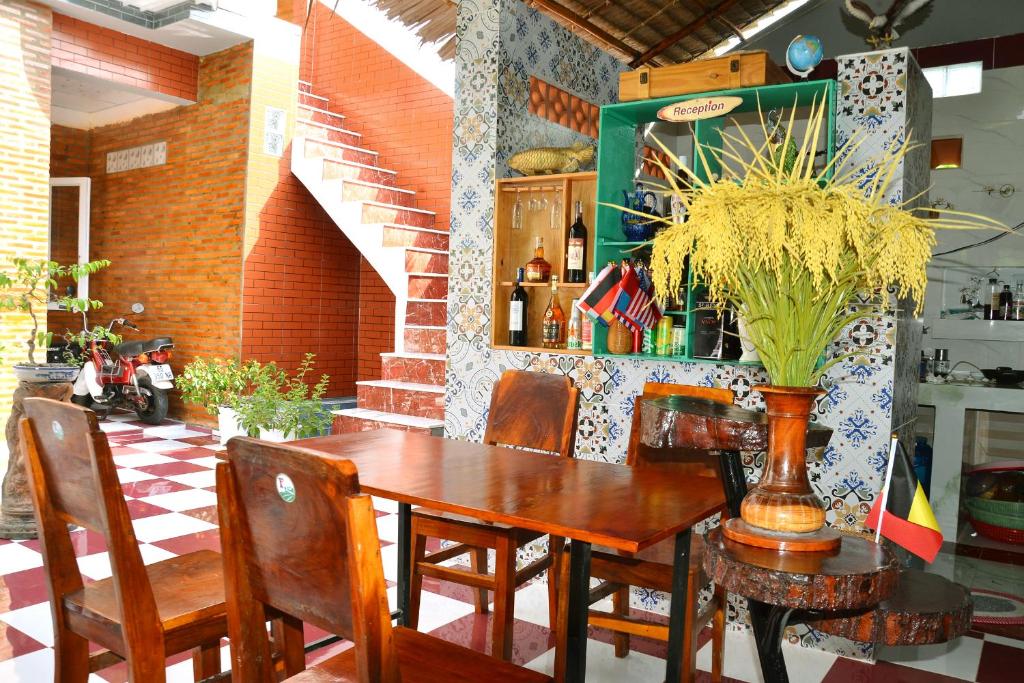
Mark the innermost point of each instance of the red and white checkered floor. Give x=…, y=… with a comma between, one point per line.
x=168, y=480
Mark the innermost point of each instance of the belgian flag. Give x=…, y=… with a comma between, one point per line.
x=907, y=520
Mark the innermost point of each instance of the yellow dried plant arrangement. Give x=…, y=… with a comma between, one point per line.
x=791, y=247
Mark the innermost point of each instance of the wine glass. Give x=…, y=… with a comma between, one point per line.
x=517, y=213
x=556, y=212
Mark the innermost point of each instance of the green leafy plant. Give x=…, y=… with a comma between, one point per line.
x=216, y=382
x=29, y=284
x=282, y=402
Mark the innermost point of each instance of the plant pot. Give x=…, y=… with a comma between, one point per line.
x=619, y=339
x=46, y=372
x=227, y=424
x=783, y=501
x=274, y=435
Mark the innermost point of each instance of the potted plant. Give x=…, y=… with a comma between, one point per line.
x=214, y=384
x=28, y=287
x=283, y=407
x=799, y=253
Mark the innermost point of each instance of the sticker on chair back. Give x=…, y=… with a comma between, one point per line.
x=58, y=430
x=285, y=488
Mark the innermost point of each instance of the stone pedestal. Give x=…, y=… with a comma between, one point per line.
x=17, y=520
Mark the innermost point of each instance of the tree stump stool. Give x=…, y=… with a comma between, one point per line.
x=17, y=516
x=777, y=584
x=925, y=609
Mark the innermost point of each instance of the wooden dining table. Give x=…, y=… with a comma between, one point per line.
x=622, y=508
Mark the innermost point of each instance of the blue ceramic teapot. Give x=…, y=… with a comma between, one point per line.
x=637, y=228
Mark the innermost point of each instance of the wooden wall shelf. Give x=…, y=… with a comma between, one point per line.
x=514, y=248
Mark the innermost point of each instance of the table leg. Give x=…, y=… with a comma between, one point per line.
x=769, y=622
x=677, y=608
x=579, y=608
x=404, y=560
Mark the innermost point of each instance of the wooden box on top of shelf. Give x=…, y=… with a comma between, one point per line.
x=514, y=248
x=738, y=70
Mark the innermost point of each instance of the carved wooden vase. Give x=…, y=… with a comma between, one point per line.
x=783, y=501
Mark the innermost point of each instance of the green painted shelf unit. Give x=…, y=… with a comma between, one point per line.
x=616, y=152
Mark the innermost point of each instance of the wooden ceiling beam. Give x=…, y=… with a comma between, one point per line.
x=695, y=25
x=581, y=24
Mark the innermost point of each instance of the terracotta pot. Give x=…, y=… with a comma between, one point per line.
x=620, y=339
x=783, y=501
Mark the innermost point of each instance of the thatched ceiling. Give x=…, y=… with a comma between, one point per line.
x=637, y=31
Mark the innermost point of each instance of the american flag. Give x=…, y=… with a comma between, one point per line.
x=635, y=305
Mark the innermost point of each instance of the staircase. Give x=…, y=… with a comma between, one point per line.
x=403, y=244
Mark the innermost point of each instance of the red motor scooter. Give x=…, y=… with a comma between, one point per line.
x=137, y=379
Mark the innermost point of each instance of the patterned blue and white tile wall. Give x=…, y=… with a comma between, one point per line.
x=501, y=43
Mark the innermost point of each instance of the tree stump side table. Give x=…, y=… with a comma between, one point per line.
x=776, y=583
x=17, y=516
x=925, y=609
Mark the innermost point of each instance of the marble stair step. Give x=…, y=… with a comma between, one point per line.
x=425, y=368
x=363, y=419
x=425, y=338
x=404, y=398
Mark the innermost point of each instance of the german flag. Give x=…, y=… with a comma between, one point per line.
x=908, y=520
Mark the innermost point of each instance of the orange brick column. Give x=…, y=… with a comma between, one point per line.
x=25, y=29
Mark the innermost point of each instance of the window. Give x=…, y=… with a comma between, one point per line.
x=955, y=79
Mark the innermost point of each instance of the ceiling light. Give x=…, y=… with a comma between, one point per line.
x=766, y=20
x=954, y=79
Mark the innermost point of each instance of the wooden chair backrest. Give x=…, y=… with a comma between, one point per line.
x=74, y=481
x=534, y=410
x=299, y=539
x=704, y=462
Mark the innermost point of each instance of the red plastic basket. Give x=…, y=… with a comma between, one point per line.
x=998, y=533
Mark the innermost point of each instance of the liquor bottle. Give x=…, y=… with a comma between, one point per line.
x=517, y=306
x=1006, y=303
x=574, y=339
x=1018, y=302
x=576, y=249
x=538, y=270
x=553, y=332
x=992, y=299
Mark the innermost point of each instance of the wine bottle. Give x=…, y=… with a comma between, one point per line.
x=576, y=249
x=553, y=330
x=517, y=306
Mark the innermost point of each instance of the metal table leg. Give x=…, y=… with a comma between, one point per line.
x=404, y=561
x=677, y=608
x=579, y=607
x=769, y=622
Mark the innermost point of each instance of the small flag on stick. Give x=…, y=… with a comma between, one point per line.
x=902, y=512
x=599, y=298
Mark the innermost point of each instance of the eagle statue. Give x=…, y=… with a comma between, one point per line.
x=882, y=25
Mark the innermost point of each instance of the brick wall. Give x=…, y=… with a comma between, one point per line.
x=376, y=321
x=174, y=232
x=400, y=115
x=301, y=281
x=24, y=159
x=103, y=52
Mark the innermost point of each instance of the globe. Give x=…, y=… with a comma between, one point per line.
x=803, y=54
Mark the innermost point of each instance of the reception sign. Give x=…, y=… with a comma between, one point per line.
x=699, y=108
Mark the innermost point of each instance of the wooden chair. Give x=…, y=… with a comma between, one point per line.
x=142, y=614
x=652, y=568
x=531, y=410
x=300, y=541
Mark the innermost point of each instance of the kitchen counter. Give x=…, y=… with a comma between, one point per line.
x=951, y=401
